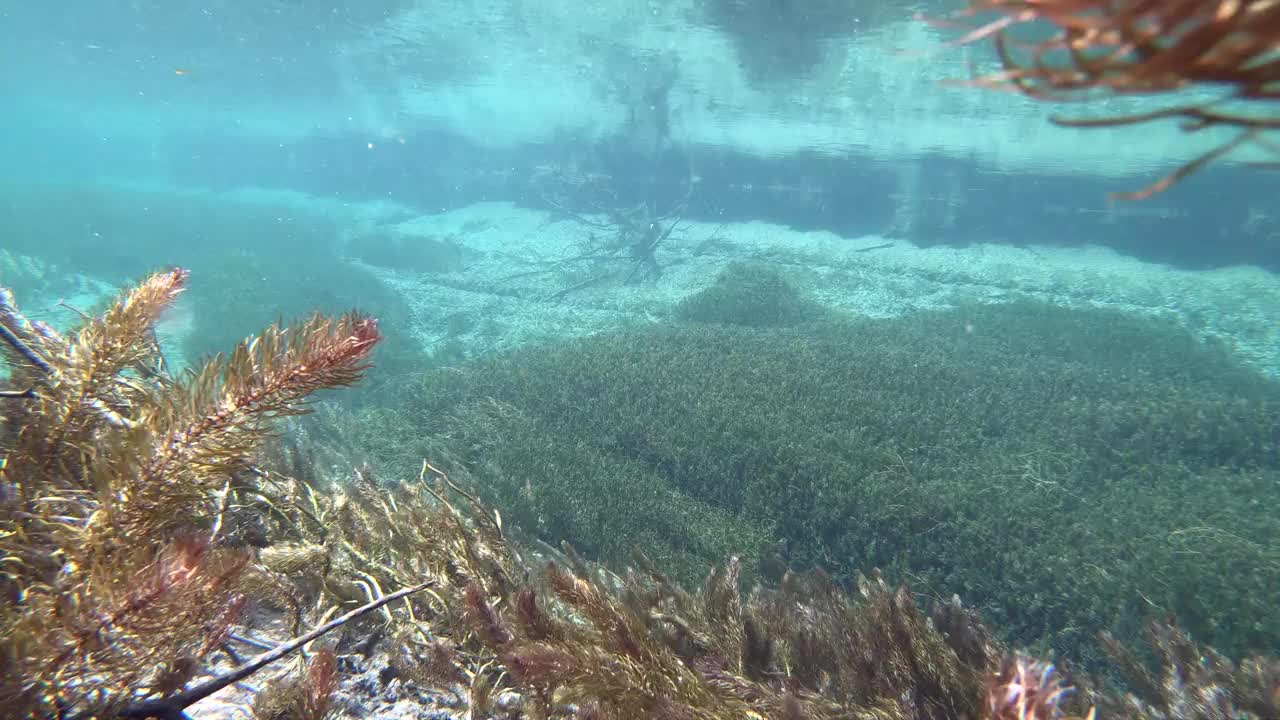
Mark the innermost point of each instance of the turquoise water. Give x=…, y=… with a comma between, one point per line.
x=740, y=282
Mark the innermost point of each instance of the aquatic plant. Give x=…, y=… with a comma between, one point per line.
x=116, y=483
x=751, y=295
x=139, y=515
x=1064, y=469
x=1146, y=47
x=254, y=256
x=1190, y=681
x=526, y=634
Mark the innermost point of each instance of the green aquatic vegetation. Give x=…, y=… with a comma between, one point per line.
x=140, y=515
x=560, y=636
x=1065, y=470
x=751, y=295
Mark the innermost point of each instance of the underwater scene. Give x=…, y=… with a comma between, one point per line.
x=671, y=359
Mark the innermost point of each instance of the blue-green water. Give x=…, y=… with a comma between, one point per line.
x=739, y=280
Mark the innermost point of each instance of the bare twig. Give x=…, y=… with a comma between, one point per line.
x=173, y=707
x=31, y=355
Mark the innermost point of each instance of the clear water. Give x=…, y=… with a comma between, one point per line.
x=503, y=181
